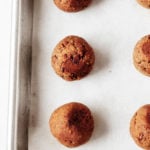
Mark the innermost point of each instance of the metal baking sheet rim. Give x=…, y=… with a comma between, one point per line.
x=20, y=74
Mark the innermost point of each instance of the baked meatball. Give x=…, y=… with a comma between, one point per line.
x=72, y=124
x=72, y=5
x=141, y=55
x=140, y=127
x=144, y=3
x=73, y=58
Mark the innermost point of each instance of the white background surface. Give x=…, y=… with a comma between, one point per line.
x=114, y=90
x=5, y=30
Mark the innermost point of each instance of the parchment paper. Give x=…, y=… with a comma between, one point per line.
x=113, y=91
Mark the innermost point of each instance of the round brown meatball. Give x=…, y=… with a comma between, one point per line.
x=72, y=124
x=72, y=5
x=140, y=127
x=144, y=3
x=72, y=58
x=141, y=55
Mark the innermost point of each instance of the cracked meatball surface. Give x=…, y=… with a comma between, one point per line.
x=73, y=58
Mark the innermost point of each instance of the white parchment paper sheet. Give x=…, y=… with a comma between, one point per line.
x=113, y=91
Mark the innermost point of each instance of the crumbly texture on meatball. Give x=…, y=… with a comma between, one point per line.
x=72, y=5
x=72, y=124
x=141, y=55
x=144, y=3
x=72, y=58
x=140, y=127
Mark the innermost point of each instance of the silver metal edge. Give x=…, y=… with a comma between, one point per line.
x=20, y=74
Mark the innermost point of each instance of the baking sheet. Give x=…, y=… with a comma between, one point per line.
x=19, y=74
x=113, y=91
